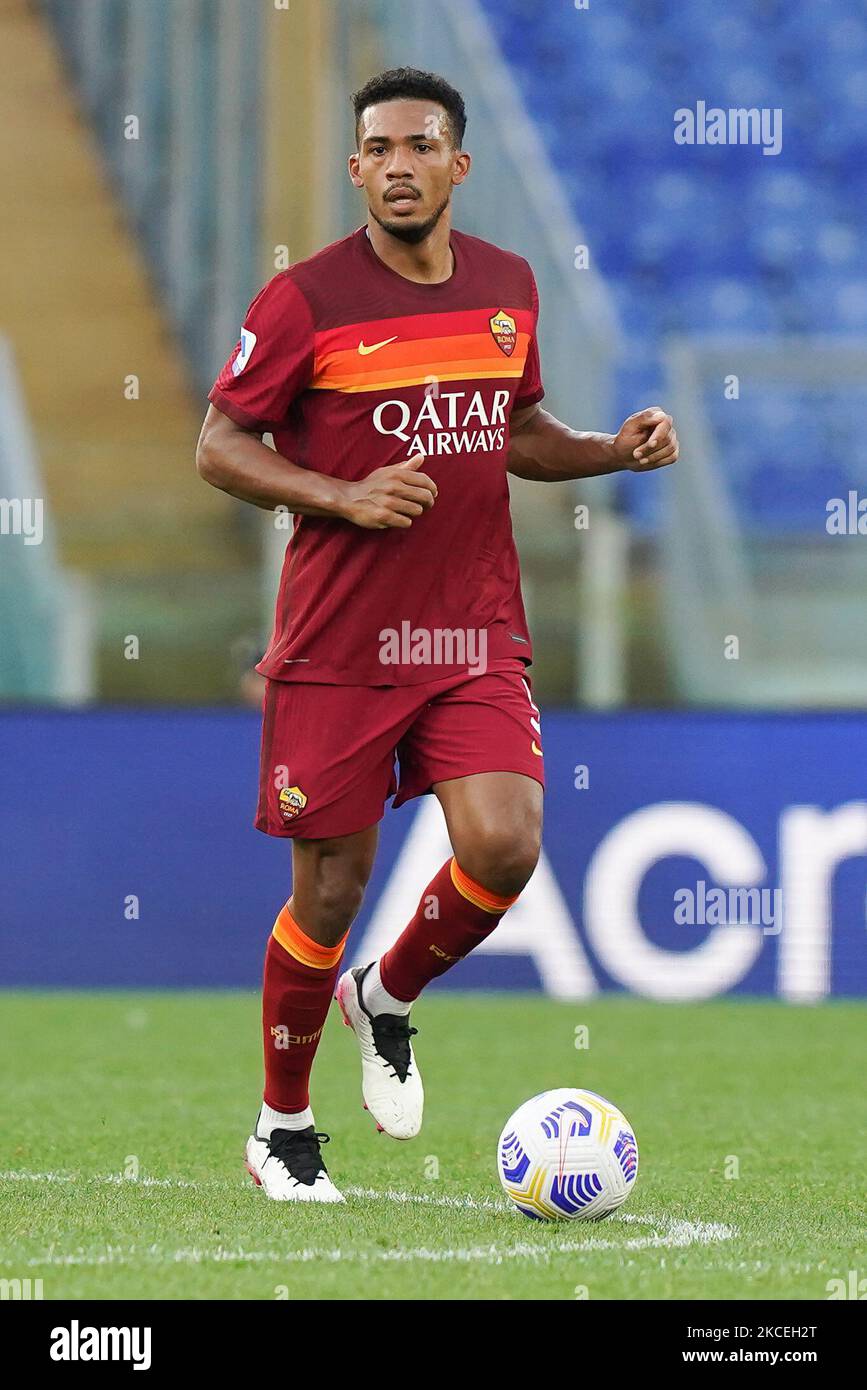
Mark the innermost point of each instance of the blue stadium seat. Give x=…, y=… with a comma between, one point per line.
x=702, y=239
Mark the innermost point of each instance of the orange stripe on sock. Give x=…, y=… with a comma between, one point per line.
x=290, y=936
x=475, y=893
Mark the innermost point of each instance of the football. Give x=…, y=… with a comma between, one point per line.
x=567, y=1155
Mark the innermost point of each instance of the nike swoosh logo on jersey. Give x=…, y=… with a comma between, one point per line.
x=374, y=347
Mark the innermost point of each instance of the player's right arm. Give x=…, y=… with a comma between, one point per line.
x=271, y=366
x=235, y=460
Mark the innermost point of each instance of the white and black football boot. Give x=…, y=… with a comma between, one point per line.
x=390, y=1080
x=289, y=1168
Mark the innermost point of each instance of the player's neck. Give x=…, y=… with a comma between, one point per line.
x=428, y=263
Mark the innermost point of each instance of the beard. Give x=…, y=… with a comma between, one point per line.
x=415, y=232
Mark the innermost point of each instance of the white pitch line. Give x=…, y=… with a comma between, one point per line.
x=682, y=1233
x=112, y=1179
x=372, y=1194
x=666, y=1233
x=427, y=1199
x=10, y=1176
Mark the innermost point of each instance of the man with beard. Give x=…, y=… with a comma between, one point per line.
x=398, y=371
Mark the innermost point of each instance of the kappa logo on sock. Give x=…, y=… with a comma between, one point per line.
x=443, y=955
x=292, y=801
x=283, y=1038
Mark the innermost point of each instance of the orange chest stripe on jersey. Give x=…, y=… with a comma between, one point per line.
x=408, y=328
x=458, y=357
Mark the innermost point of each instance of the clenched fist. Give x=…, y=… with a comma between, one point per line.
x=390, y=496
x=647, y=440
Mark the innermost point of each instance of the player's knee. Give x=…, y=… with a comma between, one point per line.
x=329, y=879
x=502, y=859
x=338, y=899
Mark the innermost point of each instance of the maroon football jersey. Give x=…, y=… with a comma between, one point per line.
x=351, y=366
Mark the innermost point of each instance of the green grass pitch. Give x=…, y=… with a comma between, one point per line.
x=135, y=1108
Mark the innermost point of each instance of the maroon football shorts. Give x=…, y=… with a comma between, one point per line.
x=329, y=751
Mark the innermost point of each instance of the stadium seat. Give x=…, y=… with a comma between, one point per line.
x=696, y=239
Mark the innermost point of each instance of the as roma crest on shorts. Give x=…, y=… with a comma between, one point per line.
x=292, y=802
x=505, y=331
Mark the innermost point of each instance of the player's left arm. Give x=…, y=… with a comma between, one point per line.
x=545, y=450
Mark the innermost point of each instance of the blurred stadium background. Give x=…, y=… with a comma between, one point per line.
x=161, y=159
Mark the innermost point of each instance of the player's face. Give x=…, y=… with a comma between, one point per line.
x=407, y=165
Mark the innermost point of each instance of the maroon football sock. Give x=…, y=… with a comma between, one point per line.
x=454, y=915
x=300, y=976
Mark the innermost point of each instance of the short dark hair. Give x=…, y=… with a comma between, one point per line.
x=412, y=83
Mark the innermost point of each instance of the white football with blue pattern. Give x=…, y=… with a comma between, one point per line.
x=567, y=1155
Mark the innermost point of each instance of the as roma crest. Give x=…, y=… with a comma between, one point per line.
x=292, y=801
x=505, y=331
